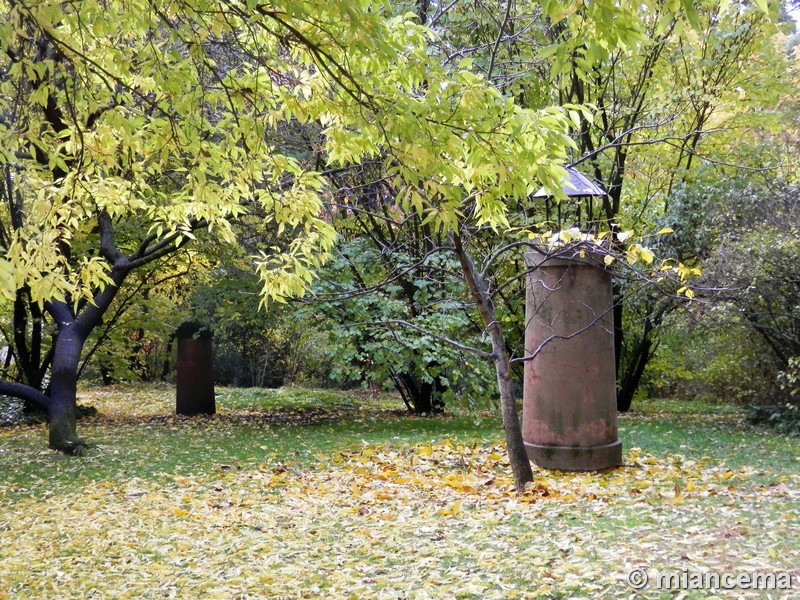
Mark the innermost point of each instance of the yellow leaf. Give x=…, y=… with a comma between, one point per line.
x=608, y=259
x=463, y=483
x=453, y=509
x=665, y=231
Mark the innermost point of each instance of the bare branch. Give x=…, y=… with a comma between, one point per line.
x=441, y=12
x=25, y=392
x=552, y=338
x=496, y=48
x=441, y=338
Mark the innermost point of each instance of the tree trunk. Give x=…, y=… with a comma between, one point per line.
x=63, y=433
x=520, y=463
x=63, y=407
x=420, y=396
x=637, y=361
x=619, y=332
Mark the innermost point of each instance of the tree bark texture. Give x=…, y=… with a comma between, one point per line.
x=520, y=463
x=63, y=407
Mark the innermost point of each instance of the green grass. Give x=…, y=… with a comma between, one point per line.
x=721, y=437
x=316, y=493
x=136, y=435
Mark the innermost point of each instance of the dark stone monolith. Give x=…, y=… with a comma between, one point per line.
x=195, y=385
x=569, y=417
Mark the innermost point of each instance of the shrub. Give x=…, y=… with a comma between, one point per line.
x=784, y=418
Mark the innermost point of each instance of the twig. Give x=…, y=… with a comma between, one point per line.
x=441, y=338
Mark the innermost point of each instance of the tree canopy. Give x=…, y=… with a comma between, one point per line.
x=131, y=128
x=168, y=116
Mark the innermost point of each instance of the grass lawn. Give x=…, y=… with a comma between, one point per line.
x=301, y=493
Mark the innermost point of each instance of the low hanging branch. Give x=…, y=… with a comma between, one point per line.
x=441, y=338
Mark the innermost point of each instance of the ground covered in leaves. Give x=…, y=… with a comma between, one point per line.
x=307, y=495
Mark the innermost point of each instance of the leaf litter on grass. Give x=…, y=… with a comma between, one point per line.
x=429, y=520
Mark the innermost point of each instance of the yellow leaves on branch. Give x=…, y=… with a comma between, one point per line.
x=610, y=246
x=178, y=138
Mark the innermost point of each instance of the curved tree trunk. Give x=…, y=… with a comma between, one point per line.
x=25, y=392
x=62, y=412
x=60, y=401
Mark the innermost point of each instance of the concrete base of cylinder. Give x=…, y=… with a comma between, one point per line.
x=575, y=458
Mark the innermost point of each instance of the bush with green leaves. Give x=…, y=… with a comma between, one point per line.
x=783, y=418
x=708, y=353
x=388, y=314
x=789, y=380
x=755, y=265
x=256, y=346
x=744, y=327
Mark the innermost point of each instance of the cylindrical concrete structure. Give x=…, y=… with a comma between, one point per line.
x=569, y=418
x=195, y=384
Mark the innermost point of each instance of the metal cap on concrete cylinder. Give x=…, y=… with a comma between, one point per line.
x=569, y=396
x=195, y=382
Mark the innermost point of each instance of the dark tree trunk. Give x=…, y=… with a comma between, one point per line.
x=423, y=403
x=63, y=408
x=434, y=391
x=632, y=377
x=422, y=11
x=629, y=379
x=106, y=374
x=421, y=397
x=515, y=445
x=60, y=403
x=166, y=366
x=619, y=332
x=30, y=354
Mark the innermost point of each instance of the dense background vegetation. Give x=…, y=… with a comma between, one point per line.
x=687, y=116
